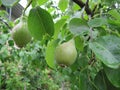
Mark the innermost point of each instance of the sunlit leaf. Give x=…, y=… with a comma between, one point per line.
x=63, y=4
x=41, y=2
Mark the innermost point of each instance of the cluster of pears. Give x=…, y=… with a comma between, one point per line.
x=66, y=53
x=21, y=34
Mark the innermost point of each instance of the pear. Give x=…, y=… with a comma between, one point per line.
x=20, y=34
x=66, y=53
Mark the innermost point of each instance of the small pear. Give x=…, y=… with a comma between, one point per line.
x=66, y=53
x=20, y=34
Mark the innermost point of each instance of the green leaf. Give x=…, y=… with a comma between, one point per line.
x=41, y=2
x=63, y=4
x=34, y=3
x=50, y=52
x=114, y=25
x=100, y=81
x=76, y=7
x=107, y=49
x=113, y=75
x=0, y=3
x=111, y=2
x=78, y=26
x=114, y=14
x=79, y=43
x=84, y=82
x=58, y=26
x=3, y=39
x=9, y=3
x=40, y=23
x=97, y=22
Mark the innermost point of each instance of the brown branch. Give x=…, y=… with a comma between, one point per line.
x=87, y=9
x=93, y=11
x=86, y=5
x=80, y=3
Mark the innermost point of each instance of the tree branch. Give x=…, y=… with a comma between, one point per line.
x=79, y=2
x=93, y=11
x=27, y=7
x=87, y=9
x=82, y=4
x=5, y=23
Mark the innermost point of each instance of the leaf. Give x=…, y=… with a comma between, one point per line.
x=63, y=4
x=78, y=26
x=114, y=25
x=97, y=22
x=108, y=2
x=107, y=49
x=40, y=23
x=113, y=75
x=84, y=82
x=50, y=51
x=0, y=3
x=100, y=81
x=41, y=2
x=111, y=2
x=9, y=3
x=34, y=3
x=76, y=7
x=79, y=43
x=58, y=26
x=114, y=14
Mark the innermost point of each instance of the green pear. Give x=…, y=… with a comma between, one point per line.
x=20, y=34
x=66, y=53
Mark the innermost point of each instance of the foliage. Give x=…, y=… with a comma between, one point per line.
x=94, y=26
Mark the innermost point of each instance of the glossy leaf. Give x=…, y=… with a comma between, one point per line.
x=107, y=49
x=113, y=75
x=78, y=26
x=42, y=1
x=40, y=23
x=97, y=22
x=9, y=3
x=50, y=52
x=63, y=4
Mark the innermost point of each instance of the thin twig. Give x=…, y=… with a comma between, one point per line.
x=27, y=7
x=5, y=23
x=86, y=5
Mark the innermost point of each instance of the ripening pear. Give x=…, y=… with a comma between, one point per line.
x=66, y=53
x=20, y=34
